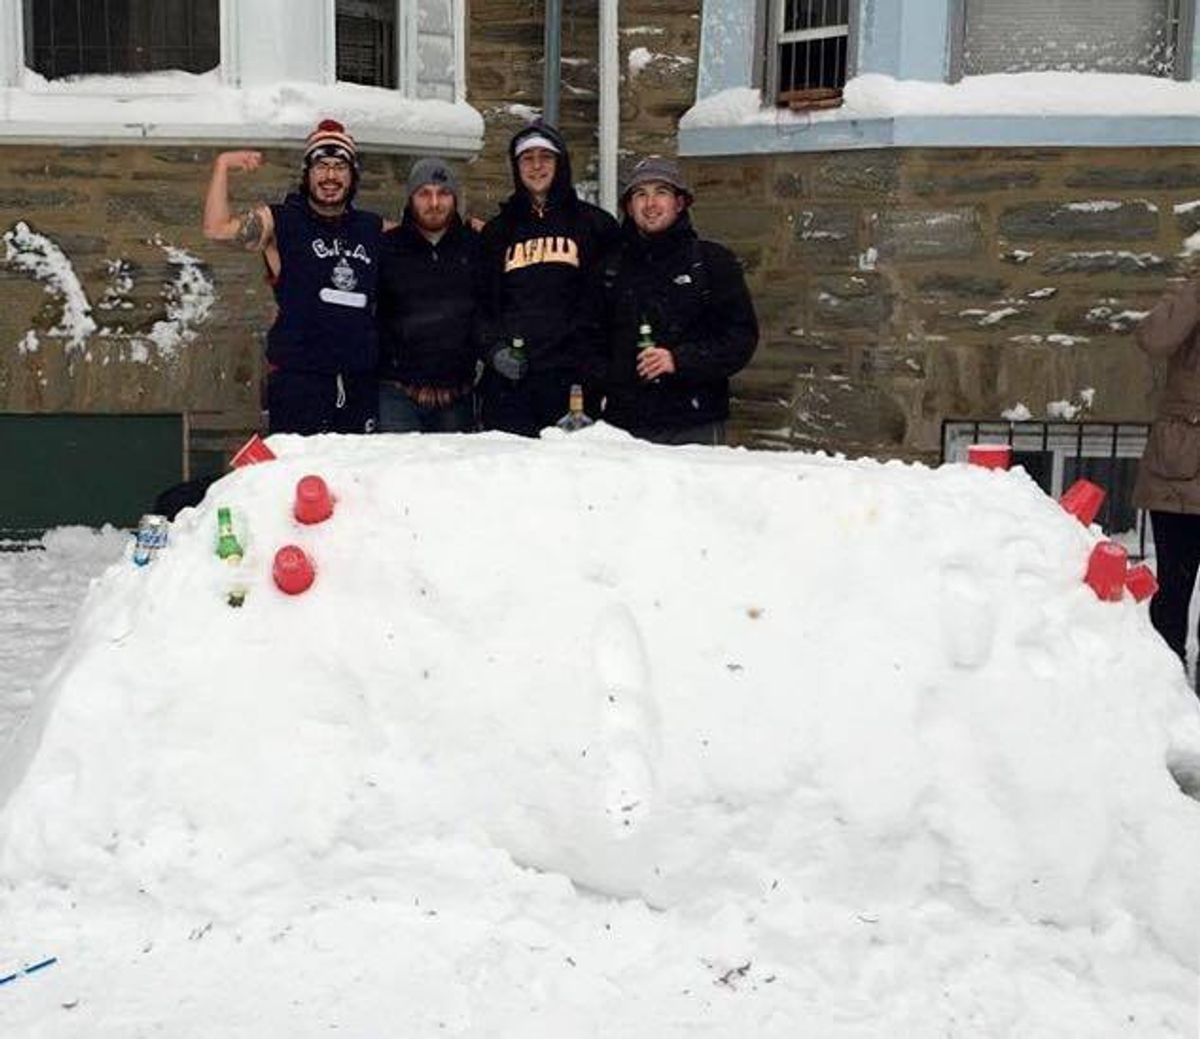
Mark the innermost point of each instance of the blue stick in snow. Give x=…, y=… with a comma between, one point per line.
x=41, y=965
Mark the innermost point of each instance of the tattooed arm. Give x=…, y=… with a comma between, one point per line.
x=253, y=230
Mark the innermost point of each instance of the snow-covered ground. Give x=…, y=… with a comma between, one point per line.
x=40, y=593
x=585, y=737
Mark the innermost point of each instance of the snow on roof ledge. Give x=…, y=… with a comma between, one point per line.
x=1071, y=108
x=873, y=96
x=179, y=107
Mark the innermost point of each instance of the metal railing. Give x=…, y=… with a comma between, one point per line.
x=1056, y=453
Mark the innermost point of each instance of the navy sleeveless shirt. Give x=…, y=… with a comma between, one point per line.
x=325, y=291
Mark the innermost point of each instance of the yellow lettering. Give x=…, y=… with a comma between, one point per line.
x=541, y=250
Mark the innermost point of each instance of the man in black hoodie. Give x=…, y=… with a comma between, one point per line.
x=427, y=290
x=680, y=319
x=542, y=257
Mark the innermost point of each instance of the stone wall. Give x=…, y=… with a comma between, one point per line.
x=895, y=288
x=658, y=41
x=900, y=288
x=114, y=301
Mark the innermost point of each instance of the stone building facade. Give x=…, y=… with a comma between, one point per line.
x=896, y=287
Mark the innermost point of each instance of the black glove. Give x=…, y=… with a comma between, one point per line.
x=509, y=363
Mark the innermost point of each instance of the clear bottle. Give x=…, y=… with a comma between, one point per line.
x=575, y=418
x=518, y=347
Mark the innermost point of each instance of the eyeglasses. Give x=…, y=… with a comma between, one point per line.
x=331, y=166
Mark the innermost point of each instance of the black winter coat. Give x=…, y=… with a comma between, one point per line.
x=427, y=306
x=693, y=295
x=541, y=266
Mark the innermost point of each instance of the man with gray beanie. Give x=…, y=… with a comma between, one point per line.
x=679, y=318
x=427, y=310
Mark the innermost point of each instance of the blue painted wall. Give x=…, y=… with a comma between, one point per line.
x=726, y=46
x=907, y=39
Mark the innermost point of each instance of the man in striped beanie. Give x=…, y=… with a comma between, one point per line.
x=329, y=149
x=322, y=257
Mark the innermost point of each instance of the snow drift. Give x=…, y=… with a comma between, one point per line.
x=841, y=744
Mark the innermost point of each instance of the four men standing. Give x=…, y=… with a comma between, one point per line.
x=379, y=321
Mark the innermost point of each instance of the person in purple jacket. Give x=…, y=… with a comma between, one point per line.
x=322, y=257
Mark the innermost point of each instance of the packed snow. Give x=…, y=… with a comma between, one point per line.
x=587, y=737
x=197, y=106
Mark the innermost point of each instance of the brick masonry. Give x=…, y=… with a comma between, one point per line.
x=894, y=288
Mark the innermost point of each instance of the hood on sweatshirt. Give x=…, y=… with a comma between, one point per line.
x=562, y=191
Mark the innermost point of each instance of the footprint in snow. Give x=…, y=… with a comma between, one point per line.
x=630, y=726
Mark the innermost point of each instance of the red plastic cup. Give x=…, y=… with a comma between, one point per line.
x=1106, y=571
x=292, y=570
x=1141, y=582
x=990, y=456
x=251, y=452
x=1083, y=500
x=313, y=503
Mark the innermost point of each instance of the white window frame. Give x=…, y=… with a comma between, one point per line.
x=213, y=106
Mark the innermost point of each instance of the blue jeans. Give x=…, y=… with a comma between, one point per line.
x=399, y=413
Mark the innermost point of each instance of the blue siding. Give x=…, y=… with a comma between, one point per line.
x=726, y=46
x=907, y=39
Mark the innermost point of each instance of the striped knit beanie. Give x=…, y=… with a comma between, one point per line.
x=330, y=141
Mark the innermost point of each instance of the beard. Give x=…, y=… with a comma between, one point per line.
x=327, y=192
x=433, y=220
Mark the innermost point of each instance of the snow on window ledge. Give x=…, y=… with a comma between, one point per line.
x=178, y=107
x=1033, y=108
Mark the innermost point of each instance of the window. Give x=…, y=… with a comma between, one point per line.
x=102, y=37
x=808, y=52
x=1143, y=37
x=402, y=51
x=366, y=42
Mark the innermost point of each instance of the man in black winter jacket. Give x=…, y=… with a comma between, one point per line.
x=542, y=255
x=428, y=284
x=680, y=319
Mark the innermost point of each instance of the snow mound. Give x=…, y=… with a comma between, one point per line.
x=832, y=730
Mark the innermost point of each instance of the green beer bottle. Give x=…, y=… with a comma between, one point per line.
x=229, y=549
x=645, y=336
x=645, y=341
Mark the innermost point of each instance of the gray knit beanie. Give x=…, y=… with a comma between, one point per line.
x=431, y=170
x=656, y=168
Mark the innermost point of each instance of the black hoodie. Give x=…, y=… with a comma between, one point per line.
x=693, y=296
x=541, y=264
x=427, y=305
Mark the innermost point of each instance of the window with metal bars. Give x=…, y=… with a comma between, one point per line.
x=366, y=42
x=105, y=37
x=1140, y=37
x=808, y=52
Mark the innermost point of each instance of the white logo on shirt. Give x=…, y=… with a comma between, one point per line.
x=337, y=247
x=343, y=276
